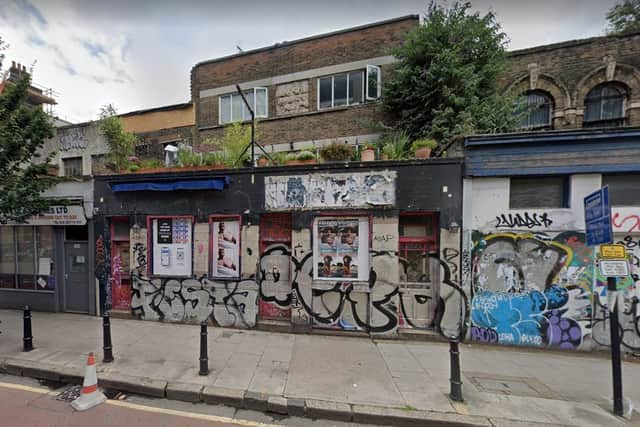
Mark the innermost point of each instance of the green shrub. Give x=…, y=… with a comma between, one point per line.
x=291, y=156
x=421, y=143
x=395, y=145
x=213, y=158
x=305, y=155
x=336, y=151
x=151, y=164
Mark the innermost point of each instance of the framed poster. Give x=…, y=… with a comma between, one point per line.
x=171, y=245
x=225, y=256
x=341, y=249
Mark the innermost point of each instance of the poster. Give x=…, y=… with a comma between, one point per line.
x=341, y=248
x=172, y=247
x=226, y=248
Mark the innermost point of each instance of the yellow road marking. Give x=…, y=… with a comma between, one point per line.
x=188, y=414
x=153, y=409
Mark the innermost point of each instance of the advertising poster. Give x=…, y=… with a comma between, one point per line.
x=339, y=243
x=226, y=248
x=172, y=247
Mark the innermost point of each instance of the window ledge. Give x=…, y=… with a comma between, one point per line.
x=296, y=115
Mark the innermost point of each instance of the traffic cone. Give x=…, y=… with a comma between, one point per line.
x=90, y=396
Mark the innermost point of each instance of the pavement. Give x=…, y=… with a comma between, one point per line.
x=350, y=379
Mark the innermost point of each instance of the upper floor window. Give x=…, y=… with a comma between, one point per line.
x=538, y=192
x=604, y=106
x=232, y=109
x=349, y=88
x=537, y=106
x=72, y=166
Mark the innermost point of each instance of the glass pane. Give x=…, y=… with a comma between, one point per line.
x=261, y=102
x=325, y=92
x=237, y=108
x=373, y=75
x=355, y=88
x=72, y=166
x=120, y=230
x=592, y=110
x=245, y=110
x=7, y=257
x=416, y=226
x=339, y=90
x=624, y=189
x=26, y=257
x=414, y=265
x=225, y=109
x=611, y=107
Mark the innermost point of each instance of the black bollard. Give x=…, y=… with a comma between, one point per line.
x=204, y=357
x=106, y=339
x=454, y=380
x=28, y=337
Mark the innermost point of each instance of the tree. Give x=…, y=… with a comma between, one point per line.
x=23, y=131
x=624, y=17
x=446, y=80
x=121, y=143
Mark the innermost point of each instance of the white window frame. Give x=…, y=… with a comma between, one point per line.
x=373, y=97
x=255, y=91
x=332, y=90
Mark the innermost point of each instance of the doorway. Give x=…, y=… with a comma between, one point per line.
x=76, y=277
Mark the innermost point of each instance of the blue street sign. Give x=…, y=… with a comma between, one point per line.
x=597, y=217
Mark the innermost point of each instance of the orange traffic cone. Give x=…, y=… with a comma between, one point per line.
x=90, y=396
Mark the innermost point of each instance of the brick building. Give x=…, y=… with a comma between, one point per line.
x=307, y=92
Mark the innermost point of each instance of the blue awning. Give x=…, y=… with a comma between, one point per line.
x=198, y=184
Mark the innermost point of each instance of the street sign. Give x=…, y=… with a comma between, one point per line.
x=597, y=217
x=614, y=267
x=612, y=251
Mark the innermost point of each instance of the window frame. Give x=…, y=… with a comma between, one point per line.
x=150, y=245
x=230, y=218
x=615, y=121
x=377, y=95
x=332, y=76
x=548, y=101
x=65, y=161
x=236, y=94
x=566, y=191
x=613, y=191
x=36, y=260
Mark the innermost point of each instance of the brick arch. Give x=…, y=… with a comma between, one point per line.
x=626, y=75
x=546, y=83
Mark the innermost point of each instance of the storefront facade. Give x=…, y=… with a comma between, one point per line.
x=371, y=248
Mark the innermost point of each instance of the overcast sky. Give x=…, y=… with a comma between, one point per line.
x=138, y=54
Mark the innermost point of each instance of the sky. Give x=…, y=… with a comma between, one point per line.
x=139, y=54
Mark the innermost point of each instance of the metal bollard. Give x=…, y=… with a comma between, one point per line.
x=27, y=335
x=106, y=339
x=204, y=357
x=454, y=380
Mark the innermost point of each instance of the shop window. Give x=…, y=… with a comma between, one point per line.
x=539, y=192
x=604, y=106
x=535, y=108
x=26, y=257
x=225, y=246
x=72, y=166
x=171, y=248
x=341, y=248
x=624, y=190
x=418, y=238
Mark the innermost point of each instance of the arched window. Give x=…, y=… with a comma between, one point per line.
x=604, y=105
x=535, y=110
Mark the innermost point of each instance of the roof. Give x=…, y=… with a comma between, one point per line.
x=570, y=43
x=158, y=109
x=306, y=39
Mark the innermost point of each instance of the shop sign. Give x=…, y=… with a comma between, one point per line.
x=60, y=215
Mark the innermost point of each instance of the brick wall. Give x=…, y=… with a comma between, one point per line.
x=569, y=70
x=293, y=114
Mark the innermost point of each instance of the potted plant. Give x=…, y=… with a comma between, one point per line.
x=306, y=157
x=263, y=161
x=336, y=152
x=368, y=153
x=422, y=148
x=291, y=159
x=395, y=145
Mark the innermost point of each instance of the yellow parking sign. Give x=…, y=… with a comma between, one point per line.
x=612, y=251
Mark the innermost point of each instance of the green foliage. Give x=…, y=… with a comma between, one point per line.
x=395, y=145
x=121, y=143
x=151, y=164
x=446, y=80
x=421, y=143
x=23, y=130
x=624, y=17
x=280, y=158
x=233, y=142
x=213, y=158
x=336, y=151
x=305, y=155
x=186, y=157
x=133, y=167
x=291, y=156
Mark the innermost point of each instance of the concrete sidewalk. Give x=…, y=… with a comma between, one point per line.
x=344, y=378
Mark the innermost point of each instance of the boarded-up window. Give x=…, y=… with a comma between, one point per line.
x=538, y=192
x=624, y=190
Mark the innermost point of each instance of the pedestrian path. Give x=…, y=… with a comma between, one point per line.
x=348, y=378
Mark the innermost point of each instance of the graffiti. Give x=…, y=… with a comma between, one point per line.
x=523, y=220
x=383, y=237
x=140, y=257
x=485, y=335
x=72, y=139
x=275, y=286
x=330, y=190
x=626, y=224
x=450, y=255
x=102, y=269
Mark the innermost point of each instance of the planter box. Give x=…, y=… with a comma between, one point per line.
x=181, y=169
x=368, y=155
x=302, y=162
